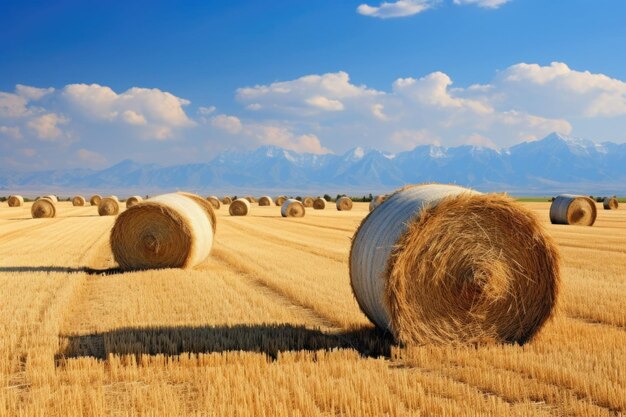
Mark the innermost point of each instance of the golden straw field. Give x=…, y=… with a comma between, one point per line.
x=268, y=326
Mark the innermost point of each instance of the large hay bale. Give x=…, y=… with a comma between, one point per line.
x=133, y=201
x=265, y=201
x=308, y=201
x=227, y=200
x=292, y=208
x=50, y=197
x=344, y=204
x=377, y=201
x=95, y=200
x=443, y=264
x=43, y=208
x=15, y=201
x=215, y=202
x=319, y=204
x=78, y=201
x=578, y=210
x=166, y=231
x=610, y=203
x=109, y=206
x=280, y=200
x=205, y=205
x=239, y=207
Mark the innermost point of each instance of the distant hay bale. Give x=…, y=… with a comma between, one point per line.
x=610, y=203
x=50, y=197
x=574, y=210
x=43, y=208
x=250, y=199
x=78, y=201
x=265, y=201
x=443, y=264
x=215, y=202
x=15, y=201
x=319, y=204
x=292, y=208
x=377, y=201
x=166, y=231
x=280, y=200
x=133, y=201
x=109, y=206
x=239, y=207
x=308, y=201
x=344, y=204
x=227, y=200
x=95, y=200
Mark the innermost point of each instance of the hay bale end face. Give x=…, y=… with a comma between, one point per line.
x=167, y=231
x=133, y=201
x=215, y=202
x=308, y=201
x=78, y=201
x=610, y=203
x=344, y=204
x=443, y=264
x=280, y=200
x=95, y=200
x=15, y=201
x=377, y=201
x=227, y=200
x=265, y=201
x=43, y=208
x=572, y=209
x=109, y=206
x=319, y=204
x=239, y=207
x=292, y=208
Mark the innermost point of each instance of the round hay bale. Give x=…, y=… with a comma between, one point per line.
x=319, y=204
x=239, y=207
x=166, y=231
x=308, y=201
x=43, y=208
x=344, y=204
x=265, y=201
x=109, y=206
x=610, y=203
x=573, y=209
x=227, y=200
x=443, y=264
x=205, y=205
x=50, y=197
x=377, y=201
x=15, y=201
x=250, y=199
x=215, y=202
x=280, y=200
x=133, y=201
x=95, y=200
x=292, y=208
x=78, y=201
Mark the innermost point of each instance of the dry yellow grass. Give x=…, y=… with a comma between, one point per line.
x=268, y=326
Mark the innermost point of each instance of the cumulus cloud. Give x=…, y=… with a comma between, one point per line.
x=46, y=126
x=489, y=4
x=271, y=134
x=399, y=8
x=205, y=111
x=230, y=124
x=32, y=93
x=13, y=106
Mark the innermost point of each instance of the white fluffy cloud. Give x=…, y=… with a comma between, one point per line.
x=32, y=93
x=403, y=8
x=272, y=134
x=47, y=127
x=489, y=4
x=230, y=124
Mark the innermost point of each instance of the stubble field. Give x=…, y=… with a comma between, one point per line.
x=268, y=326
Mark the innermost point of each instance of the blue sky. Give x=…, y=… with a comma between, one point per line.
x=174, y=82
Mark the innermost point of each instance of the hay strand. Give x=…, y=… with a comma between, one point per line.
x=133, y=201
x=292, y=208
x=319, y=204
x=443, y=264
x=573, y=210
x=43, y=208
x=78, y=201
x=344, y=204
x=265, y=201
x=15, y=201
x=167, y=231
x=610, y=203
x=239, y=207
x=109, y=206
x=215, y=202
x=95, y=200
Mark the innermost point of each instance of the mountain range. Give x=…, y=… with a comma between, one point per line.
x=557, y=163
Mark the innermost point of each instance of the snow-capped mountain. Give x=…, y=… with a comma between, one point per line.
x=554, y=164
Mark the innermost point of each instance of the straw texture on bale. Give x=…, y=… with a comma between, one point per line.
x=377, y=201
x=227, y=200
x=133, y=201
x=250, y=199
x=292, y=208
x=215, y=202
x=265, y=201
x=109, y=206
x=344, y=204
x=574, y=210
x=166, y=231
x=95, y=200
x=205, y=205
x=43, y=208
x=319, y=204
x=610, y=203
x=443, y=264
x=50, y=197
x=280, y=200
x=308, y=201
x=15, y=201
x=78, y=201
x=239, y=207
